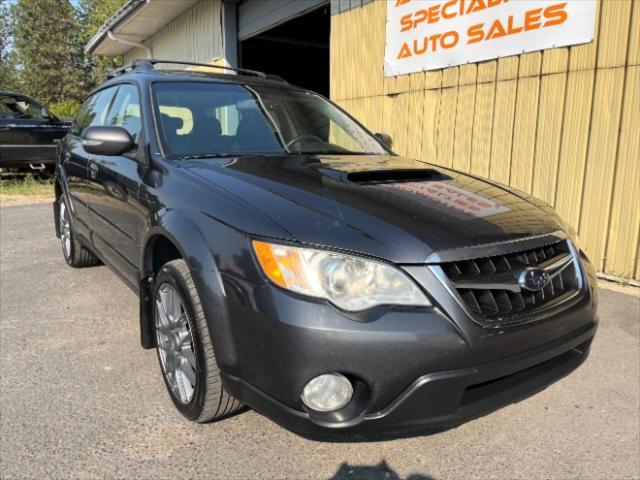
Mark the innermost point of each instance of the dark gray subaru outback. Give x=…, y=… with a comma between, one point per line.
x=286, y=259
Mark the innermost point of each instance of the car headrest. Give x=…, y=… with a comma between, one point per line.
x=206, y=125
x=171, y=124
x=216, y=126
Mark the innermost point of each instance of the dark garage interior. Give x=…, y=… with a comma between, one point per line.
x=297, y=50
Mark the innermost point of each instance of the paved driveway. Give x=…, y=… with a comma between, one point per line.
x=81, y=399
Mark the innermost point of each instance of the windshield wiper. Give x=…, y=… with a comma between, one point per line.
x=228, y=155
x=200, y=156
x=332, y=152
x=205, y=155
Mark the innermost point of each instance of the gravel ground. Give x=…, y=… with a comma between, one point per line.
x=81, y=399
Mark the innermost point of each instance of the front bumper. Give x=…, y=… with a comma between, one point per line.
x=413, y=368
x=440, y=399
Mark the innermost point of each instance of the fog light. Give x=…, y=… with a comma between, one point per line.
x=327, y=392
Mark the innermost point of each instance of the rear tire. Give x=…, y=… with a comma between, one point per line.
x=76, y=255
x=184, y=347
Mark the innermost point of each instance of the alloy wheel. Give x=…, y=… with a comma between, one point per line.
x=175, y=343
x=65, y=230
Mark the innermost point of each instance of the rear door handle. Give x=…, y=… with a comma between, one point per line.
x=93, y=170
x=4, y=129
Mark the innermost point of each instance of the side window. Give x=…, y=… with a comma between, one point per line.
x=83, y=118
x=100, y=107
x=125, y=111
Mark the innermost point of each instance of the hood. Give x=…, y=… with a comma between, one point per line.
x=389, y=207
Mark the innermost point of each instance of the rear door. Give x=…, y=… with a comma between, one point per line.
x=116, y=216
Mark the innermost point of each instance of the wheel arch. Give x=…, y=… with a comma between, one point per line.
x=60, y=189
x=177, y=237
x=57, y=188
x=57, y=191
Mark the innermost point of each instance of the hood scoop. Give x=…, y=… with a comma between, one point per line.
x=374, y=177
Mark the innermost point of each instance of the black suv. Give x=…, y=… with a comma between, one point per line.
x=29, y=134
x=286, y=259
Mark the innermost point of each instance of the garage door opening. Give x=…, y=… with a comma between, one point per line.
x=297, y=50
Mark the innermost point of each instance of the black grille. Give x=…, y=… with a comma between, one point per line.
x=491, y=290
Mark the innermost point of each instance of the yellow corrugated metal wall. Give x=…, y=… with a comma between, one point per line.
x=562, y=124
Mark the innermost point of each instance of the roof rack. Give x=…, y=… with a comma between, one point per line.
x=148, y=64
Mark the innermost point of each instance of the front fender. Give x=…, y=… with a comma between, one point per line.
x=185, y=235
x=194, y=249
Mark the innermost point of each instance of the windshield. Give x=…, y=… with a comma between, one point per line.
x=21, y=108
x=204, y=119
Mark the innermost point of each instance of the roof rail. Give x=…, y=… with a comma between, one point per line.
x=119, y=71
x=148, y=64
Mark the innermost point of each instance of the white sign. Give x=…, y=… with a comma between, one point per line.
x=433, y=34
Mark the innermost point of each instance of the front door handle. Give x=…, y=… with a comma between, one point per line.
x=93, y=170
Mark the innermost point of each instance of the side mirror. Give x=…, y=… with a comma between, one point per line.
x=110, y=141
x=385, y=139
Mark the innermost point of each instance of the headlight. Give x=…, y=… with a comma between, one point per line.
x=349, y=282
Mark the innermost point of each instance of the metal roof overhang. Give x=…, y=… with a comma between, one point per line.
x=134, y=22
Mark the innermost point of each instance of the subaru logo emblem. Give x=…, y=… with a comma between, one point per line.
x=533, y=278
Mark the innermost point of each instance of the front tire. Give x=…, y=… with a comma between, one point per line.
x=184, y=347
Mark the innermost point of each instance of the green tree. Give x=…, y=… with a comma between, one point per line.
x=92, y=15
x=46, y=45
x=7, y=67
x=4, y=28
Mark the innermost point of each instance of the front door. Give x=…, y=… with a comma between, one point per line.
x=116, y=216
x=74, y=157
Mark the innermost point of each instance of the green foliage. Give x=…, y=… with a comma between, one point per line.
x=92, y=15
x=4, y=28
x=42, y=49
x=48, y=60
x=65, y=109
x=7, y=67
x=47, y=49
x=8, y=74
x=27, y=186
